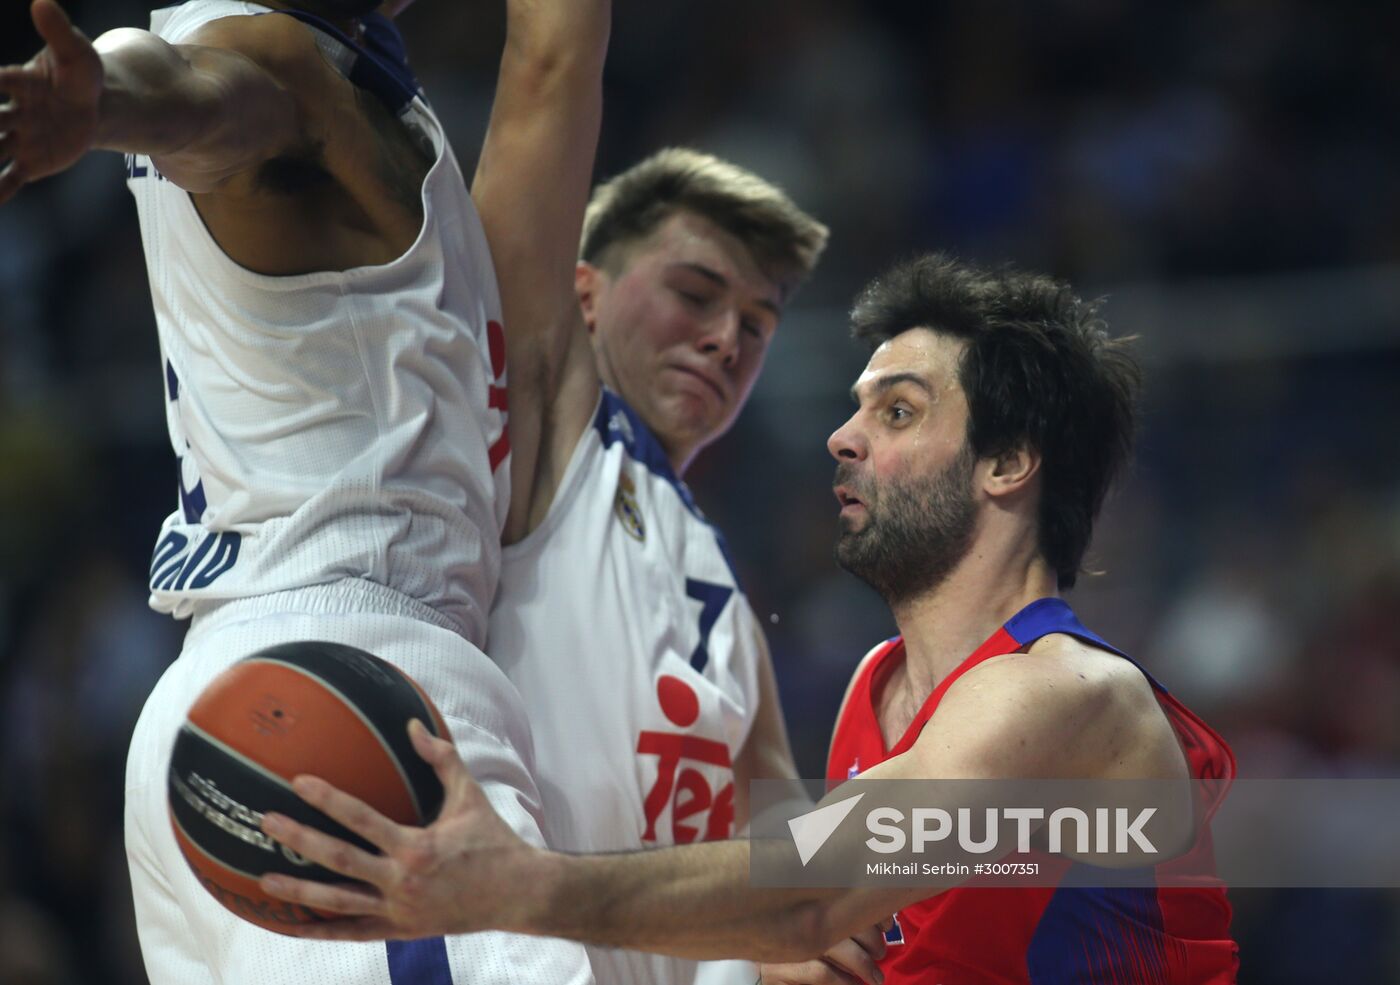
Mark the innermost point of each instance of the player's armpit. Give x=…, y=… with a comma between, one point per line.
x=557, y=409
x=530, y=188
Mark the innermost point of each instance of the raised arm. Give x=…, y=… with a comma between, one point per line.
x=204, y=114
x=530, y=188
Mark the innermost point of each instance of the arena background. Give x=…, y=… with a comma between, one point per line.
x=1224, y=173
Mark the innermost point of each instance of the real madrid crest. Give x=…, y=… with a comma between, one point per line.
x=626, y=508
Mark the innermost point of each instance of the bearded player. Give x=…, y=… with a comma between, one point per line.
x=991, y=419
x=331, y=329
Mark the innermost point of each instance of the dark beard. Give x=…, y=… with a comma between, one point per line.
x=915, y=533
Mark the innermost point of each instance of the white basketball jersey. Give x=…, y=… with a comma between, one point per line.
x=332, y=425
x=622, y=625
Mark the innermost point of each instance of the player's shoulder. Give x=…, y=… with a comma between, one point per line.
x=1061, y=669
x=1062, y=707
x=280, y=44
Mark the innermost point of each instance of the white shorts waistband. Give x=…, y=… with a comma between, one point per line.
x=344, y=597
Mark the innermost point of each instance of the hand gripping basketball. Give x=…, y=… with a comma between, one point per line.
x=459, y=874
x=50, y=118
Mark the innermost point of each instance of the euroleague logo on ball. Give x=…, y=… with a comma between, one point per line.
x=308, y=707
x=698, y=813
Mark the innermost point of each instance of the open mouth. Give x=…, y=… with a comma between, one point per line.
x=846, y=498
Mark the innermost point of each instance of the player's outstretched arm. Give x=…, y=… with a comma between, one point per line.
x=531, y=187
x=1026, y=717
x=468, y=872
x=204, y=114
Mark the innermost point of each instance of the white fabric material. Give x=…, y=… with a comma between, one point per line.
x=186, y=937
x=600, y=612
x=330, y=425
x=335, y=434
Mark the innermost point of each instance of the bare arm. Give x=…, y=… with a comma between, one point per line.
x=1018, y=717
x=766, y=753
x=203, y=114
x=530, y=188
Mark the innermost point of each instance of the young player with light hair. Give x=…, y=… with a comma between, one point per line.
x=646, y=674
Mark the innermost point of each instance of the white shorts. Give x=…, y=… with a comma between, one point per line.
x=189, y=939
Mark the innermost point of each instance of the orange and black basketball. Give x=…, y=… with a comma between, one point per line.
x=320, y=708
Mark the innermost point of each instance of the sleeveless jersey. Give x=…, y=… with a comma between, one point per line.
x=622, y=624
x=337, y=424
x=1060, y=935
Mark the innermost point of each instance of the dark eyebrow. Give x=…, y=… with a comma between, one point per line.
x=719, y=280
x=884, y=383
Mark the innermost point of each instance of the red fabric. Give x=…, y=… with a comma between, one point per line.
x=977, y=935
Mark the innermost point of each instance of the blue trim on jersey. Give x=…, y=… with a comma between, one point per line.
x=642, y=446
x=420, y=962
x=1045, y=616
x=193, y=502
x=1105, y=936
x=381, y=65
x=640, y=443
x=383, y=38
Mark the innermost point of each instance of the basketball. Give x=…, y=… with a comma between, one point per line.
x=319, y=708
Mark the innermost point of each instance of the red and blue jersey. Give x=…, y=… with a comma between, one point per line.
x=1062, y=934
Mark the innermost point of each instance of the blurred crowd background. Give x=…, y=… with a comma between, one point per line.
x=1224, y=173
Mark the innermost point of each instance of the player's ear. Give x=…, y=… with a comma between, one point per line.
x=1012, y=471
x=588, y=280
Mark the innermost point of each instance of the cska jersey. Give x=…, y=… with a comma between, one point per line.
x=332, y=425
x=622, y=624
x=1053, y=935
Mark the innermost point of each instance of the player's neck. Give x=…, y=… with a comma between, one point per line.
x=997, y=578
